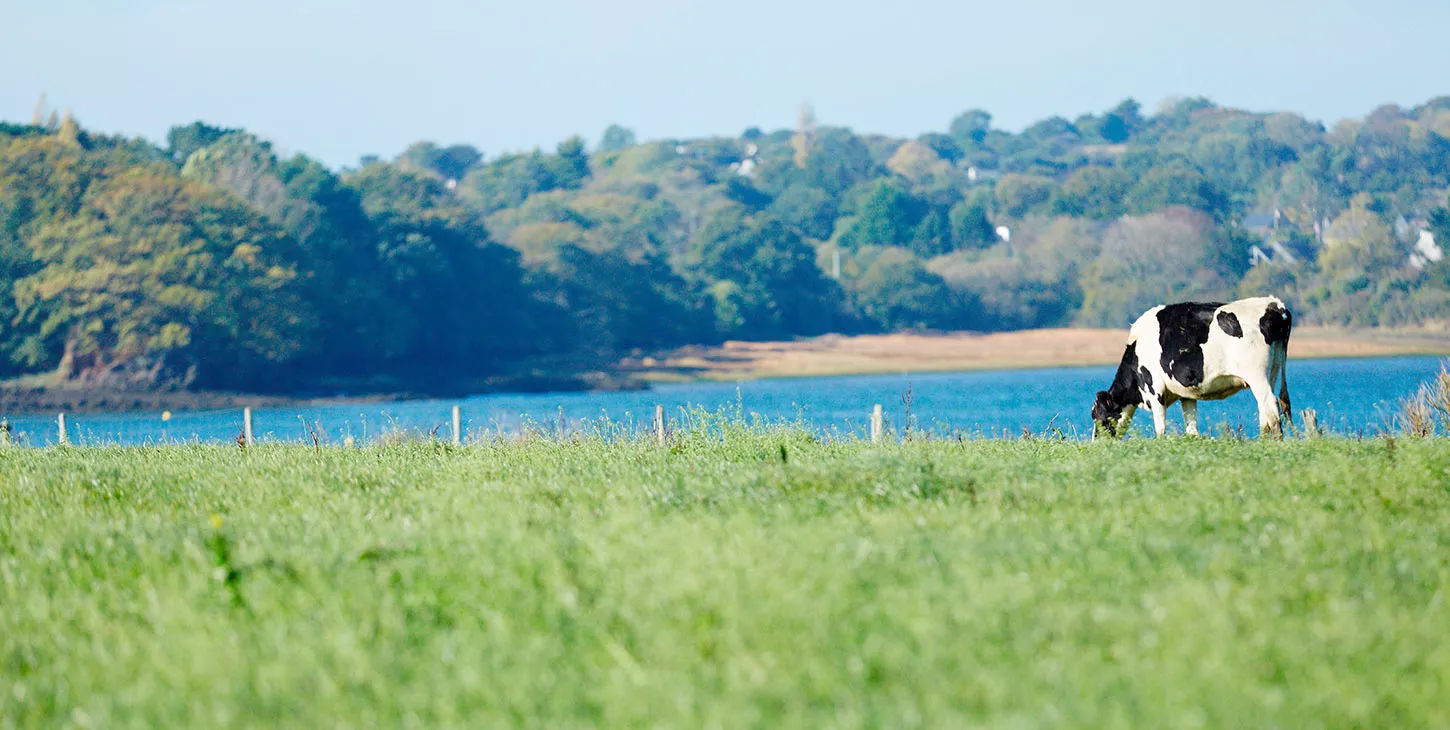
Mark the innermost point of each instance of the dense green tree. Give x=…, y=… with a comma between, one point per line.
x=896, y=291
x=777, y=287
x=450, y=163
x=970, y=127
x=616, y=138
x=920, y=165
x=886, y=216
x=970, y=226
x=1439, y=224
x=1092, y=192
x=945, y=146
x=152, y=279
x=341, y=274
x=1176, y=183
x=508, y=181
x=933, y=234
x=808, y=209
x=570, y=165
x=617, y=304
x=15, y=264
x=1394, y=159
x=44, y=181
x=836, y=160
x=245, y=166
x=1293, y=132
x=1238, y=160
x=1021, y=194
x=1121, y=122
x=740, y=190
x=182, y=141
x=463, y=296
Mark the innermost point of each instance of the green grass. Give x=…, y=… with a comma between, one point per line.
x=745, y=579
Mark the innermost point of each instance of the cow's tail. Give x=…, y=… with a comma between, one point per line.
x=1283, y=357
x=1277, y=325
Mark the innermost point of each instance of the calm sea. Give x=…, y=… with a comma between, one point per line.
x=1351, y=396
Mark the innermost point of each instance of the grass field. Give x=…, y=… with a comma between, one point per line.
x=738, y=578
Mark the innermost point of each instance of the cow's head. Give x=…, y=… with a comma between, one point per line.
x=1109, y=416
x=1113, y=410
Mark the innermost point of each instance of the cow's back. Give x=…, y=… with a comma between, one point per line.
x=1206, y=350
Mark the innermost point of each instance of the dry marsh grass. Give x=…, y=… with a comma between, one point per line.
x=838, y=355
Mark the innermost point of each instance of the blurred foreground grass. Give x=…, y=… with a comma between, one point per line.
x=742, y=577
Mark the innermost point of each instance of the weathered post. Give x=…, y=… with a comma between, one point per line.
x=1311, y=423
x=878, y=424
x=660, y=424
x=457, y=427
x=247, y=427
x=60, y=423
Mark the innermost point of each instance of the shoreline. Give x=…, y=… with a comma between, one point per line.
x=33, y=400
x=28, y=399
x=822, y=356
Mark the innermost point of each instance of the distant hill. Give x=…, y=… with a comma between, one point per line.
x=212, y=262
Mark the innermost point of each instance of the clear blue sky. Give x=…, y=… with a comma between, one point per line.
x=342, y=78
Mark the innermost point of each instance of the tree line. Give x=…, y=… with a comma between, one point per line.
x=212, y=261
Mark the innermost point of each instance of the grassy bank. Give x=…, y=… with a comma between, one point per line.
x=46, y=393
x=917, y=353
x=735, y=579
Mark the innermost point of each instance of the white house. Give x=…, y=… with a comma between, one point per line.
x=978, y=175
x=1426, y=251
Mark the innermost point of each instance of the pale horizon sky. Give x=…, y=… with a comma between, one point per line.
x=337, y=80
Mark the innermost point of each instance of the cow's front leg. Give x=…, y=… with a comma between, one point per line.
x=1190, y=416
x=1160, y=412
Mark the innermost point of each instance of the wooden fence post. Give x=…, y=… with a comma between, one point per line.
x=247, y=426
x=457, y=427
x=1311, y=423
x=60, y=423
x=878, y=424
x=660, y=424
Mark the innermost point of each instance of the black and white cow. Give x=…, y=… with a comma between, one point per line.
x=1201, y=351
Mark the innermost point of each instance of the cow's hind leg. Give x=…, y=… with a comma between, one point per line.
x=1284, y=388
x=1190, y=416
x=1158, y=403
x=1269, y=423
x=1160, y=417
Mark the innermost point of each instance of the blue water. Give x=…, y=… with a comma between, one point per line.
x=1351, y=396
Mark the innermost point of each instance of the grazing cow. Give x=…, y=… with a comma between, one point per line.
x=1200, y=351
